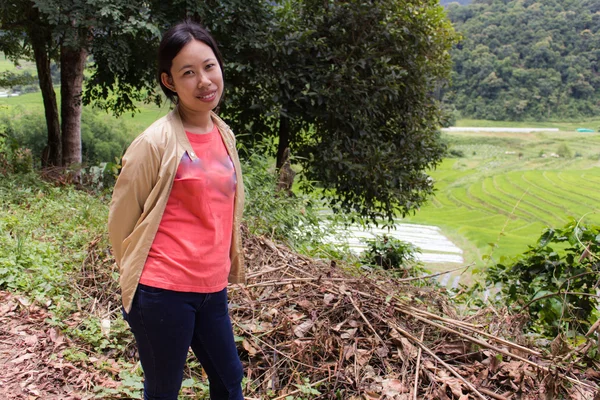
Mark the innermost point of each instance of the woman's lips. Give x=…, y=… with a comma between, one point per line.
x=208, y=97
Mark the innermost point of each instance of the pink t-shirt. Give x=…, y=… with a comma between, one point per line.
x=190, y=252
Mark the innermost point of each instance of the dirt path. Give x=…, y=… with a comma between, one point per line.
x=32, y=357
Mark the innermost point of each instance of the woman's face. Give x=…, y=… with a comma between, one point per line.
x=196, y=77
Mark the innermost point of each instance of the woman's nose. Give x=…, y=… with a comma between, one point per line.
x=204, y=81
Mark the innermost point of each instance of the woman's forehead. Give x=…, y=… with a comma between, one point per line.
x=195, y=52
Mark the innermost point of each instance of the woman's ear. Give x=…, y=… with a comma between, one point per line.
x=167, y=81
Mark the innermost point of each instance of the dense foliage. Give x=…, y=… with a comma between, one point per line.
x=347, y=88
x=556, y=280
x=526, y=59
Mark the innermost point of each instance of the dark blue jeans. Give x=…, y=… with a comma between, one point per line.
x=166, y=323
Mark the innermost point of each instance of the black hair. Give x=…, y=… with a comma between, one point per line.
x=174, y=40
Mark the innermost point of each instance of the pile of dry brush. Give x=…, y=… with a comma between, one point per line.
x=311, y=329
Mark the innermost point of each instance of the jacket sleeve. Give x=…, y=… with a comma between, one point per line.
x=139, y=172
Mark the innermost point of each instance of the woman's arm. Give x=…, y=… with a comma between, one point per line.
x=139, y=171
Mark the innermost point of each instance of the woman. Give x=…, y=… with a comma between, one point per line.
x=174, y=225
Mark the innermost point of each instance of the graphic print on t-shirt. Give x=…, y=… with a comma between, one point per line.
x=191, y=248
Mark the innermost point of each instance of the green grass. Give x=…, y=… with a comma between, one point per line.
x=144, y=117
x=591, y=123
x=44, y=233
x=498, y=198
x=8, y=65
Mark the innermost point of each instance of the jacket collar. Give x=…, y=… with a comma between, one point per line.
x=180, y=132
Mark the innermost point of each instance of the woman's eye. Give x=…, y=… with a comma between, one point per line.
x=187, y=73
x=209, y=66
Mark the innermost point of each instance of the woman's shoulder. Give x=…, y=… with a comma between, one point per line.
x=159, y=132
x=160, y=128
x=156, y=135
x=222, y=125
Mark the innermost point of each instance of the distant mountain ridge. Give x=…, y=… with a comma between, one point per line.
x=462, y=2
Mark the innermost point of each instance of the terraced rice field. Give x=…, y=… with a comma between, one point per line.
x=506, y=188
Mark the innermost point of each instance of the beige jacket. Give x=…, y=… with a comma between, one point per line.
x=141, y=192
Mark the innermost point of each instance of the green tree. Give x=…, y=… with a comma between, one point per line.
x=65, y=31
x=347, y=86
x=19, y=21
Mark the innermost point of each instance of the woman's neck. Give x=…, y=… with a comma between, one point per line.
x=195, y=122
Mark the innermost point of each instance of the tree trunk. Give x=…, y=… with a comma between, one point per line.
x=72, y=63
x=284, y=140
x=40, y=41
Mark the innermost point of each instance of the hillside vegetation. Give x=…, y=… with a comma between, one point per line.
x=525, y=59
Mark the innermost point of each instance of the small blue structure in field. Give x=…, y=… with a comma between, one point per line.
x=585, y=130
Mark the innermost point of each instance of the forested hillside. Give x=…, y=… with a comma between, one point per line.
x=527, y=59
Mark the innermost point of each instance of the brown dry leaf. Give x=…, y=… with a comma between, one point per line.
x=249, y=347
x=441, y=394
x=494, y=363
x=559, y=346
x=31, y=340
x=7, y=307
x=408, y=349
x=396, y=337
x=259, y=327
x=362, y=356
x=514, y=369
x=337, y=327
x=24, y=301
x=592, y=373
x=382, y=351
x=455, y=386
x=349, y=334
x=394, y=387
x=307, y=305
x=428, y=364
x=328, y=298
x=24, y=357
x=369, y=373
x=371, y=396
x=269, y=314
x=296, y=316
x=302, y=329
x=56, y=336
x=16, y=330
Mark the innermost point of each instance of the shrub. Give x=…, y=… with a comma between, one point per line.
x=294, y=220
x=564, y=151
x=391, y=253
x=454, y=153
x=14, y=159
x=546, y=279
